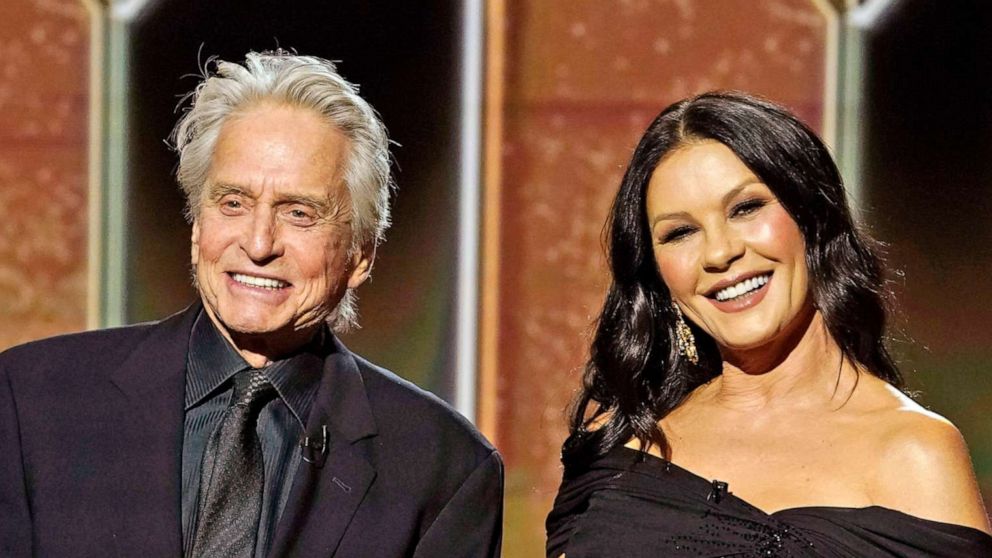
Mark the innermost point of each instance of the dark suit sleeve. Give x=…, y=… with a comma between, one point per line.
x=15, y=517
x=471, y=523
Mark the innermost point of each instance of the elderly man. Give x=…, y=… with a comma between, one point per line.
x=242, y=426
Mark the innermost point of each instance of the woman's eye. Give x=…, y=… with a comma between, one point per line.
x=747, y=207
x=676, y=234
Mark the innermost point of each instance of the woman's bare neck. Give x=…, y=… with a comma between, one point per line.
x=802, y=370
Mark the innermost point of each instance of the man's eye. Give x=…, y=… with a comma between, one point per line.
x=301, y=216
x=231, y=205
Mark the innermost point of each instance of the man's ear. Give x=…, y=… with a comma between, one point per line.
x=194, y=243
x=361, y=267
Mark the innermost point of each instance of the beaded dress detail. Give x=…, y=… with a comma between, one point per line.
x=631, y=504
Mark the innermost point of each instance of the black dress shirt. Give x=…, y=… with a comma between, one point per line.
x=211, y=364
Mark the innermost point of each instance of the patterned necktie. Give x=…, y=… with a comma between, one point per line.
x=231, y=477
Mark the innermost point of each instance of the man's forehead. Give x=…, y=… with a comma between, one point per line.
x=279, y=151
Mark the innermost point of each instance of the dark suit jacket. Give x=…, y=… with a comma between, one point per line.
x=91, y=433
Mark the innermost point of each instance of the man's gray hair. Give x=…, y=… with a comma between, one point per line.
x=299, y=81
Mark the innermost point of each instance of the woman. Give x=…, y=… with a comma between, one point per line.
x=739, y=399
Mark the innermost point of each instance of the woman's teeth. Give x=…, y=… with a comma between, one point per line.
x=260, y=282
x=742, y=288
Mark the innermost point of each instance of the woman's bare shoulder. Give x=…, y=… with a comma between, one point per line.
x=922, y=465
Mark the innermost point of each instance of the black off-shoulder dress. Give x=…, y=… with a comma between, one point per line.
x=631, y=504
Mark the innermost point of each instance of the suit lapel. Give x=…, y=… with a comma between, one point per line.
x=150, y=438
x=326, y=494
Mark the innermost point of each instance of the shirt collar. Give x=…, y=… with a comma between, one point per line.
x=212, y=361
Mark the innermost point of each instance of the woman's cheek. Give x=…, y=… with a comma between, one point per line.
x=677, y=269
x=777, y=234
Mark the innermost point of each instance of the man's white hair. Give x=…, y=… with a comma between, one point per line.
x=298, y=81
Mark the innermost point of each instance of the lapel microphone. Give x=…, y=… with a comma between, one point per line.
x=718, y=491
x=314, y=450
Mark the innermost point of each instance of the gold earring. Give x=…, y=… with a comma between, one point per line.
x=684, y=339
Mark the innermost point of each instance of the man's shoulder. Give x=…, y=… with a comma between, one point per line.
x=73, y=345
x=405, y=410
x=82, y=349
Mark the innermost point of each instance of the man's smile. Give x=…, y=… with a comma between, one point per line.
x=260, y=282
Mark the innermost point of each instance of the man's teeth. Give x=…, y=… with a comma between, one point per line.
x=742, y=288
x=261, y=282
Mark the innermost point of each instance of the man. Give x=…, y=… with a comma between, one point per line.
x=242, y=426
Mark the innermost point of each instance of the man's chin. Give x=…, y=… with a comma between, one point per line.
x=269, y=329
x=251, y=324
x=255, y=328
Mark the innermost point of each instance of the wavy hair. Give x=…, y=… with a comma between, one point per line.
x=299, y=81
x=635, y=375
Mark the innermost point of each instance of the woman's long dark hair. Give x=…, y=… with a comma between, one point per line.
x=635, y=375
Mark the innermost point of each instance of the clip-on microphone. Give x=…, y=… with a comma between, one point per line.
x=314, y=451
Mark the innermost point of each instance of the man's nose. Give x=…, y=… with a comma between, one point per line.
x=261, y=242
x=723, y=247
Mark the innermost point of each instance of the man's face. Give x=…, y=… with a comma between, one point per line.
x=271, y=242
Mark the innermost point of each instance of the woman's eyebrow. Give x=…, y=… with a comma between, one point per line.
x=740, y=186
x=724, y=200
x=667, y=216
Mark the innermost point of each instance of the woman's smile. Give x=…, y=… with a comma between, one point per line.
x=741, y=294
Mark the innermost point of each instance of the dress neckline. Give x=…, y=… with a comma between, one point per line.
x=660, y=464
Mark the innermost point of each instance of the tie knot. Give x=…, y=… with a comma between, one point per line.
x=251, y=388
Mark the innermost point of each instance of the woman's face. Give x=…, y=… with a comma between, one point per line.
x=729, y=252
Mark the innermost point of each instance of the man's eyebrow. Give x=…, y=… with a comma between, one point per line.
x=313, y=201
x=222, y=189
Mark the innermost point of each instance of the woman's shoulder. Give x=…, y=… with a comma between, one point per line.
x=905, y=430
x=922, y=465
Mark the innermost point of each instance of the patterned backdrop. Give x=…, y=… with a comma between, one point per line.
x=44, y=98
x=571, y=86
x=580, y=81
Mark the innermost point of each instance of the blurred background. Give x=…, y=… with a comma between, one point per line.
x=514, y=120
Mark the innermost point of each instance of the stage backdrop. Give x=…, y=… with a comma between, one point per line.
x=573, y=84
x=570, y=86
x=44, y=161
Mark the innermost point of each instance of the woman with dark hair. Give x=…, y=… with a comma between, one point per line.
x=739, y=399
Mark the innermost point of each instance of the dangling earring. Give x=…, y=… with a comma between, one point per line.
x=684, y=339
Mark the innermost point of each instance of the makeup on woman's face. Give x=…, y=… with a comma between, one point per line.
x=731, y=255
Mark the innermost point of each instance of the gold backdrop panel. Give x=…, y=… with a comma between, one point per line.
x=44, y=101
x=575, y=84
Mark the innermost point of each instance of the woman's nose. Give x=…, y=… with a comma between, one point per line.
x=723, y=247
